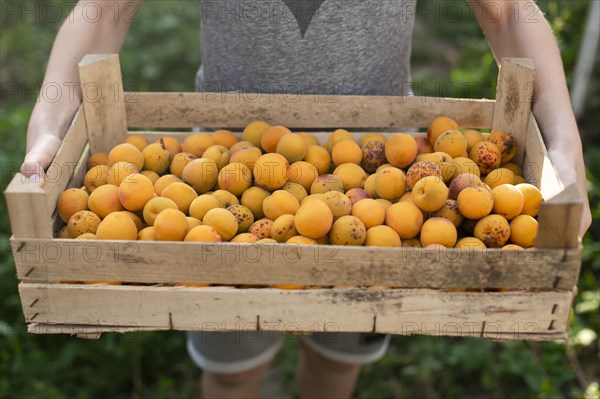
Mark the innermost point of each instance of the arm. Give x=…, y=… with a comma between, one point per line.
x=519, y=29
x=92, y=27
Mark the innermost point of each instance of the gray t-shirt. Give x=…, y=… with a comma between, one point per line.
x=359, y=47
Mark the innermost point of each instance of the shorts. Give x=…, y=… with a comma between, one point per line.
x=239, y=351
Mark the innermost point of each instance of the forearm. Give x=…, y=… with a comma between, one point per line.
x=79, y=35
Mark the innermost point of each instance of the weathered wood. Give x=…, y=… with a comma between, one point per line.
x=28, y=209
x=407, y=312
x=513, y=100
x=63, y=167
x=230, y=110
x=236, y=263
x=103, y=100
x=80, y=169
x=559, y=219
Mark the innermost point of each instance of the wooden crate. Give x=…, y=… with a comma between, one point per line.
x=511, y=295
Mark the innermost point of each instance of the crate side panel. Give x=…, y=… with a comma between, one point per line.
x=28, y=211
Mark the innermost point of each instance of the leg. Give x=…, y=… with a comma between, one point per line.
x=320, y=377
x=244, y=385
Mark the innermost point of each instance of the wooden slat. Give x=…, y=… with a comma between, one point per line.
x=234, y=263
x=80, y=169
x=559, y=220
x=103, y=100
x=513, y=100
x=64, y=165
x=401, y=311
x=28, y=209
x=216, y=110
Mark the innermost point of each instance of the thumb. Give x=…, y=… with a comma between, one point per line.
x=39, y=157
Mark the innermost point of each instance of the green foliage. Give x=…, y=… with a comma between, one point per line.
x=159, y=55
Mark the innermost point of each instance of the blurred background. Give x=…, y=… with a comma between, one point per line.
x=161, y=56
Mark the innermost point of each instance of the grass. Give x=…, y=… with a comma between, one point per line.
x=160, y=56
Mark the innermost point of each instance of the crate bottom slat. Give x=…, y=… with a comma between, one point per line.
x=91, y=309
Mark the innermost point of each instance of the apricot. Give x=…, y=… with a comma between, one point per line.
x=247, y=156
x=519, y=180
x=179, y=162
x=235, y=178
x=326, y=183
x=63, y=232
x=486, y=155
x=411, y=243
x=153, y=176
x=219, y=154
x=226, y=198
x=271, y=171
x=87, y=236
x=465, y=165
x=71, y=201
x=156, y=158
x=117, y=226
x=138, y=141
x=271, y=137
x=438, y=126
x=283, y=228
x=336, y=137
x=532, y=199
x=436, y=157
x=346, y=151
x=313, y=219
x=352, y=175
x=280, y=203
x=224, y=138
x=438, y=230
x=309, y=139
x=372, y=155
x=155, y=206
x=512, y=247
x=357, y=194
x=452, y=142
x=493, y=230
x=170, y=225
x=382, y=236
x=401, y=150
x=267, y=241
x=499, y=176
x=118, y=171
x=253, y=199
x=135, y=190
x=303, y=173
x=243, y=216
x=297, y=240
x=245, y=238
x=420, y=169
x=348, y=230
x=83, y=222
x=365, y=138
x=97, y=158
x=516, y=169
x=407, y=197
x=313, y=197
x=163, y=182
x=139, y=225
x=369, y=212
x=292, y=147
x=506, y=143
x=171, y=144
x=128, y=153
x=319, y=158
x=339, y=204
x=523, y=231
x=201, y=174
x=95, y=177
x=423, y=146
x=202, y=233
x=193, y=222
x=197, y=143
x=105, y=200
x=473, y=137
x=508, y=201
x=202, y=204
x=385, y=204
x=254, y=131
x=405, y=218
x=223, y=221
x=430, y=193
x=451, y=212
x=470, y=243
x=475, y=202
x=369, y=186
x=295, y=189
x=146, y=234
x=261, y=228
x=461, y=182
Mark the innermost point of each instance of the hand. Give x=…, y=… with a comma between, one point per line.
x=42, y=146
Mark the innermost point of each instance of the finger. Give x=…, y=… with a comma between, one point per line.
x=41, y=155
